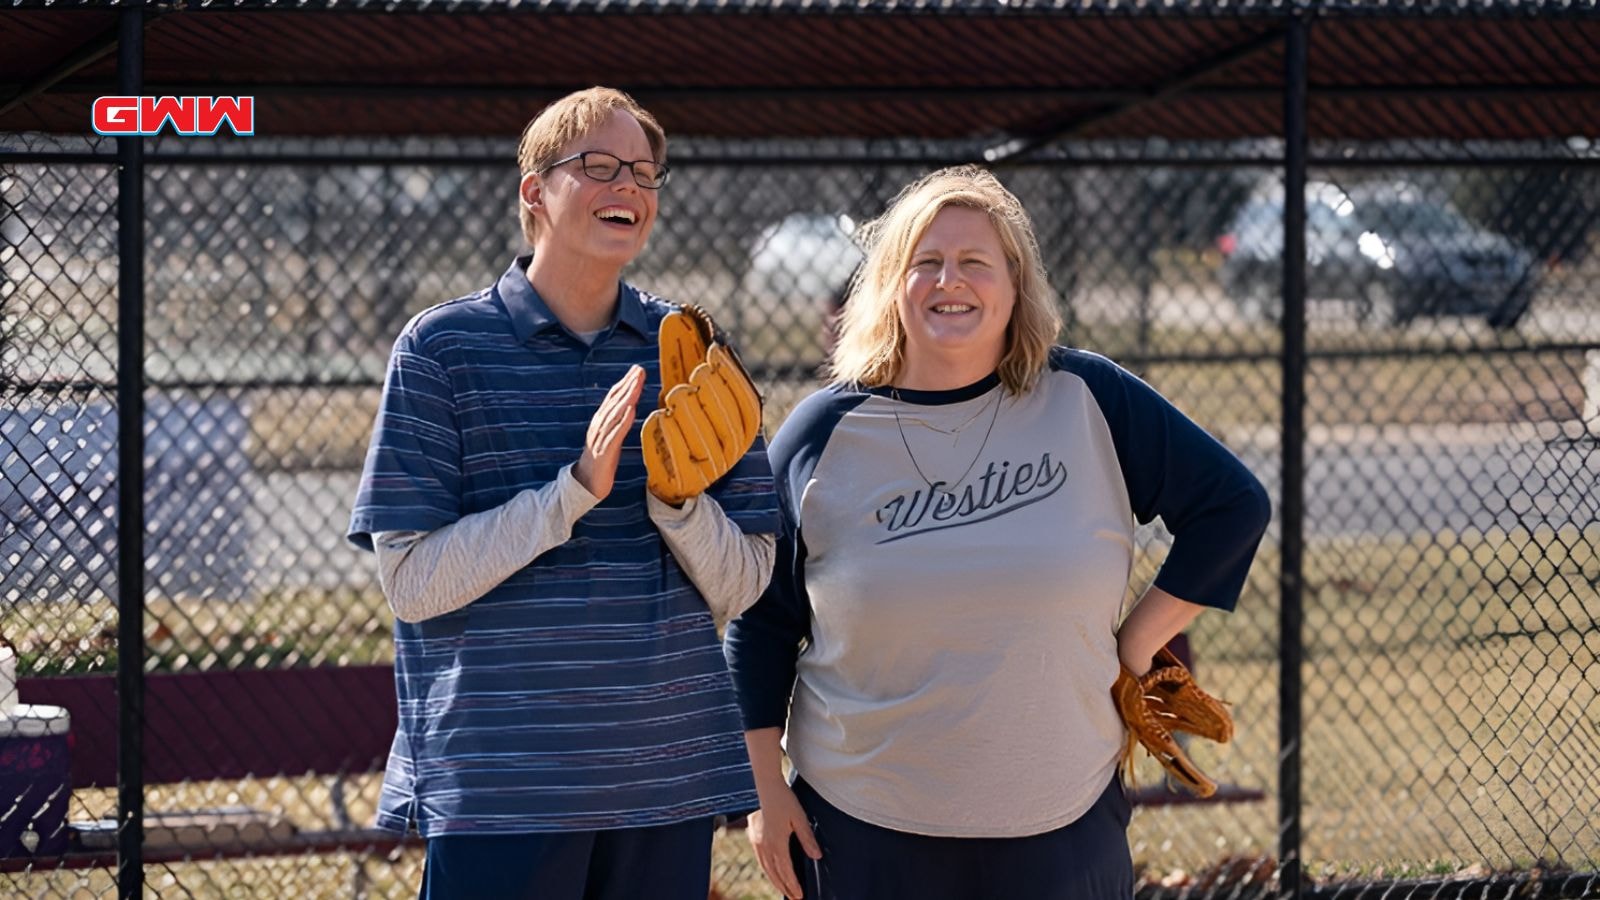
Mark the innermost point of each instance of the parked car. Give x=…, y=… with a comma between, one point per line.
x=58, y=500
x=1397, y=253
x=802, y=260
x=799, y=270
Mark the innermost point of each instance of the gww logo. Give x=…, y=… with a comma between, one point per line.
x=190, y=116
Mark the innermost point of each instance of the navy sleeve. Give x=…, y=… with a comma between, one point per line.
x=1215, y=508
x=412, y=477
x=763, y=645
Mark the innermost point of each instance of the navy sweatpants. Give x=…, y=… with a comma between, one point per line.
x=669, y=862
x=1085, y=860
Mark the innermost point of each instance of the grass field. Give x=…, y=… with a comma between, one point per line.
x=1451, y=684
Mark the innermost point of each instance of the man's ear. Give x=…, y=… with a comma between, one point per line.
x=531, y=190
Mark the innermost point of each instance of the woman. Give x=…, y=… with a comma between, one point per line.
x=958, y=509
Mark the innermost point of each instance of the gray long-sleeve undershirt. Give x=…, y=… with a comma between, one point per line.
x=425, y=574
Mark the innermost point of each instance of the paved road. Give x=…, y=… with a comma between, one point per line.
x=1408, y=480
x=1375, y=481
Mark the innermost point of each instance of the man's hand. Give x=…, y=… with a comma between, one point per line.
x=597, y=467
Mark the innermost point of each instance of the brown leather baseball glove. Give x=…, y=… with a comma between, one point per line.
x=710, y=412
x=1165, y=700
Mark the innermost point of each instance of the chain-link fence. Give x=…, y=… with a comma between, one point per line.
x=1448, y=565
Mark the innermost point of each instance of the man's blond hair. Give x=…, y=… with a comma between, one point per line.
x=872, y=339
x=570, y=118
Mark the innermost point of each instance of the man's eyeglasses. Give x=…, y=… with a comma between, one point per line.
x=602, y=166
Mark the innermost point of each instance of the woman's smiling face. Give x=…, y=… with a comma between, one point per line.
x=958, y=295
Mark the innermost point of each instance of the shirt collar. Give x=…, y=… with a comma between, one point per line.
x=940, y=398
x=530, y=315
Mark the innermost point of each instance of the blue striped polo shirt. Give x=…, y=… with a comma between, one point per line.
x=587, y=691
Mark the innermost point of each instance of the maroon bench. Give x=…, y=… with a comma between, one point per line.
x=236, y=724
x=228, y=725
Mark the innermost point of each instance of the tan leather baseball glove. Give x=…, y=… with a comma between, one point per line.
x=710, y=412
x=1164, y=700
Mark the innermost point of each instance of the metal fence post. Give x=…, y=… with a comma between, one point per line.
x=1292, y=503
x=130, y=471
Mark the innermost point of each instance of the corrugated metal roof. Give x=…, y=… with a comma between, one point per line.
x=962, y=8
x=876, y=68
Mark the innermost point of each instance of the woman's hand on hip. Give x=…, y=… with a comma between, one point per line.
x=770, y=828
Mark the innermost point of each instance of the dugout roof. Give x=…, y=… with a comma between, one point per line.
x=990, y=70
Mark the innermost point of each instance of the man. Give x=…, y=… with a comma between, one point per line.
x=567, y=727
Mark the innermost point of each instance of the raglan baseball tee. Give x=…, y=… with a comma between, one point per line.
x=939, y=637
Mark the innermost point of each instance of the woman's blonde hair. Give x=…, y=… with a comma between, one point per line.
x=570, y=118
x=872, y=339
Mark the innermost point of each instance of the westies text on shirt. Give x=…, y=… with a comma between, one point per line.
x=998, y=491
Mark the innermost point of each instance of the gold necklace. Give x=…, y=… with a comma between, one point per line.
x=894, y=394
x=953, y=432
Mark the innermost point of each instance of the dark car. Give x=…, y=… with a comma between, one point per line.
x=1392, y=251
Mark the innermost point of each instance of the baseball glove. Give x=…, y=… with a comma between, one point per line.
x=709, y=412
x=1165, y=700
